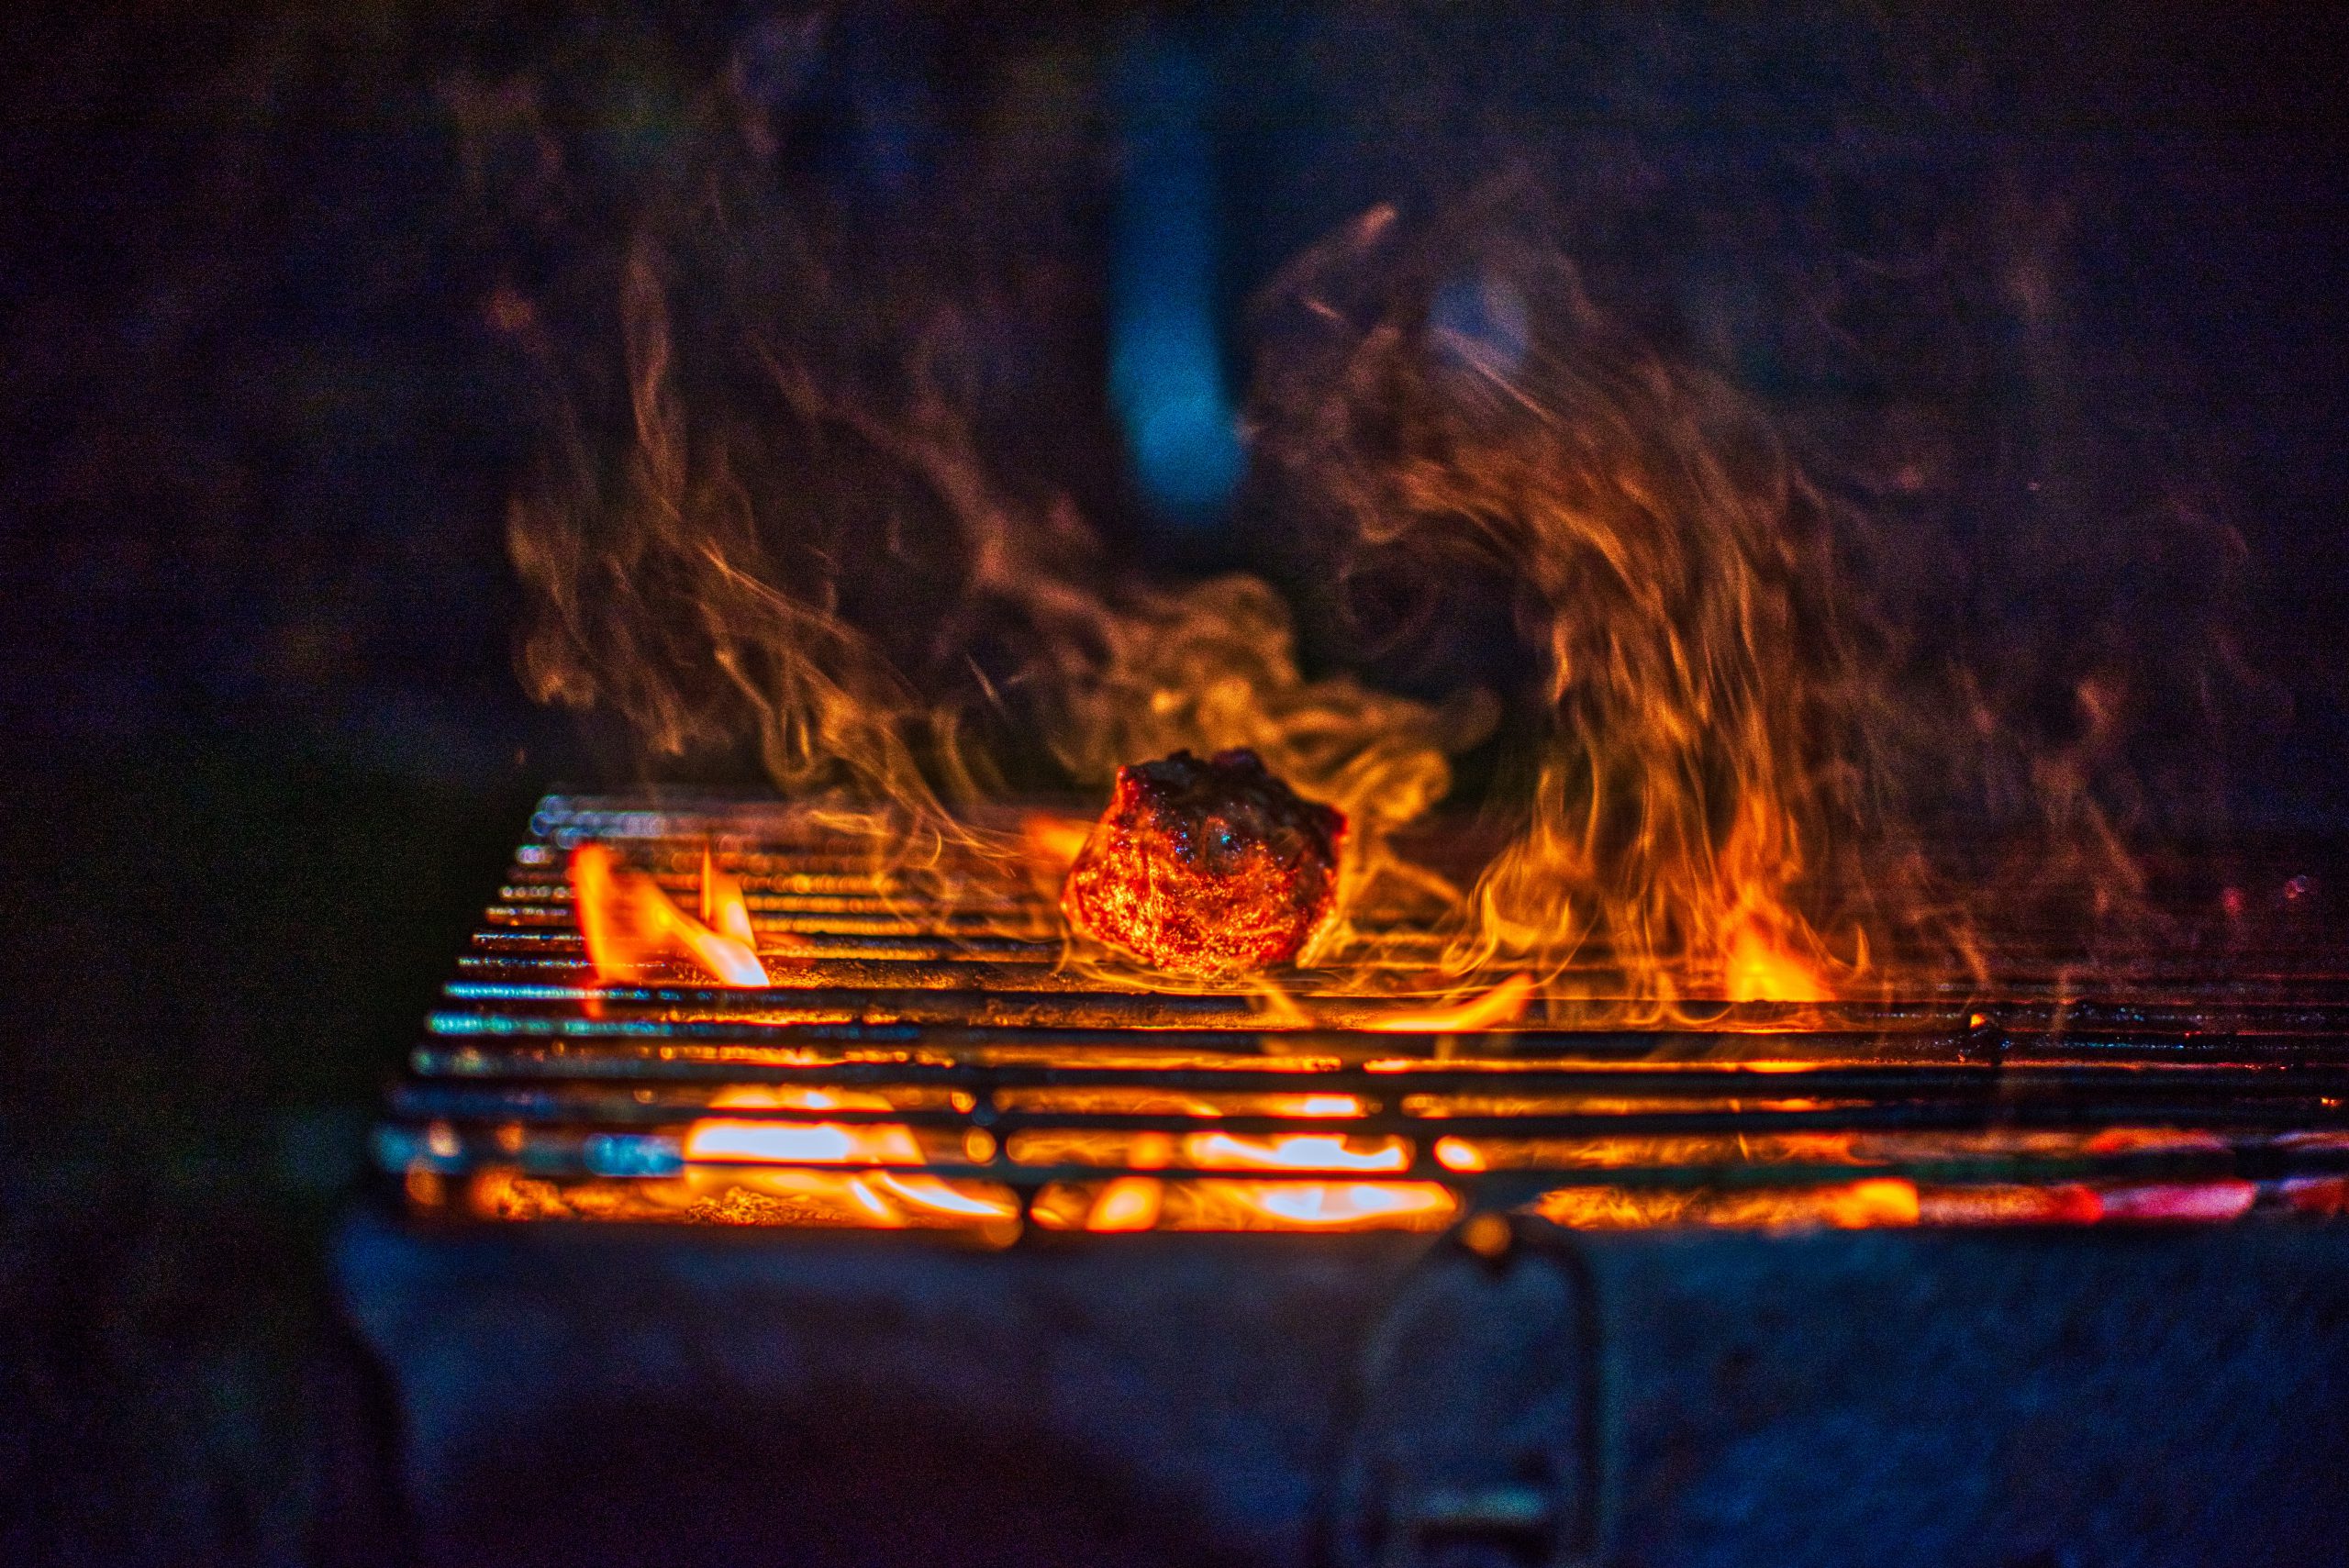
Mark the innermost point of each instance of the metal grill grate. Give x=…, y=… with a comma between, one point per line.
x=924, y=1060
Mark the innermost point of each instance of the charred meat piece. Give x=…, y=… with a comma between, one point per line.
x=1206, y=867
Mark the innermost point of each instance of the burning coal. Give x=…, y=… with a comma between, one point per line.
x=1210, y=867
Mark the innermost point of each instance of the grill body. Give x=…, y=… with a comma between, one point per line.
x=1862, y=1398
x=2047, y=1280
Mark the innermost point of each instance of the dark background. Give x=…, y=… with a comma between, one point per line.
x=2060, y=296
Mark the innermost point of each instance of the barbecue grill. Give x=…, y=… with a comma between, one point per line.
x=941, y=1228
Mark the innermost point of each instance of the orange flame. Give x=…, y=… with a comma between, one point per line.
x=1052, y=840
x=724, y=909
x=721, y=1139
x=1881, y=1201
x=1505, y=1002
x=1759, y=972
x=1315, y=1105
x=1717, y=749
x=629, y=922
x=725, y=1139
x=947, y=1198
x=1129, y=1203
x=1295, y=1151
x=1458, y=1155
x=1135, y=1203
x=1334, y=1205
x=1697, y=755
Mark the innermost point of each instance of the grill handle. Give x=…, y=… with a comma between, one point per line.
x=1474, y=1436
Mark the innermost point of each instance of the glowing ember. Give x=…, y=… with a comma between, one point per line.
x=1998, y=1204
x=755, y=1195
x=1315, y=1104
x=729, y=1139
x=800, y=1143
x=1206, y=867
x=629, y=922
x=1130, y=1203
x=1849, y=1205
x=1458, y=1155
x=2174, y=1201
x=1316, y=1205
x=793, y=1098
x=1295, y=1151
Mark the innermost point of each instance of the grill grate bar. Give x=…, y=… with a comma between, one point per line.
x=926, y=1020
x=2068, y=1113
x=1512, y=1188
x=972, y=910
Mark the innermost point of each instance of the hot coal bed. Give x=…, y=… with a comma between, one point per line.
x=936, y=1248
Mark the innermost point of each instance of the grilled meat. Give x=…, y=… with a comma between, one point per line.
x=1206, y=867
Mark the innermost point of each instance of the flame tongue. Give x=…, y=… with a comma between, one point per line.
x=629, y=922
x=724, y=910
x=1762, y=971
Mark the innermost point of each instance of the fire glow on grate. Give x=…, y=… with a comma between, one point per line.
x=763, y=1025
